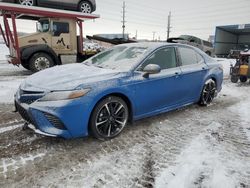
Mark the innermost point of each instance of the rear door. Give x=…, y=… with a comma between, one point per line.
x=193, y=69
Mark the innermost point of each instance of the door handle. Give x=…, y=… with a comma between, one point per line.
x=177, y=74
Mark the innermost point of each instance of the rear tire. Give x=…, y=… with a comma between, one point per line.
x=243, y=79
x=40, y=61
x=209, y=92
x=27, y=2
x=85, y=7
x=109, y=118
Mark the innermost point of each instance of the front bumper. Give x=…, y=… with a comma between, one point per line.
x=67, y=119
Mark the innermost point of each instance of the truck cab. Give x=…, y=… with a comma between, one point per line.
x=54, y=38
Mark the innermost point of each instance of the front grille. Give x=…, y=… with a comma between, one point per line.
x=55, y=121
x=23, y=113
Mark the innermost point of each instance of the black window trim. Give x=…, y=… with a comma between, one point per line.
x=159, y=48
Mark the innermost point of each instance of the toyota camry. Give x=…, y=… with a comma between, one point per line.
x=122, y=84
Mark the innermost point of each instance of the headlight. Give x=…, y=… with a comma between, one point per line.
x=64, y=95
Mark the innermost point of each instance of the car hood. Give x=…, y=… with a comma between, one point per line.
x=66, y=77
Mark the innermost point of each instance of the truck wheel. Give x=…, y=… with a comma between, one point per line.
x=40, y=61
x=243, y=79
x=234, y=79
x=85, y=7
x=26, y=66
x=27, y=2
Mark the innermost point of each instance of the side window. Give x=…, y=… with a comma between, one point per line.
x=165, y=58
x=189, y=56
x=59, y=28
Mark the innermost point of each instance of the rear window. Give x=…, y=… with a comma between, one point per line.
x=189, y=56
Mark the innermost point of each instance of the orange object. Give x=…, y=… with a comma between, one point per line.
x=244, y=70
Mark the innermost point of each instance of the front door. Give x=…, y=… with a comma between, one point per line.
x=161, y=90
x=61, y=40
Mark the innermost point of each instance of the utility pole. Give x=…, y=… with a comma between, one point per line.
x=169, y=25
x=154, y=35
x=136, y=35
x=123, y=20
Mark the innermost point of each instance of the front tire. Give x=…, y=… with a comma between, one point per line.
x=85, y=7
x=243, y=79
x=209, y=92
x=109, y=118
x=40, y=61
x=27, y=2
x=234, y=79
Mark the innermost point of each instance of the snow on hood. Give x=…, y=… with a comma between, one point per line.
x=66, y=77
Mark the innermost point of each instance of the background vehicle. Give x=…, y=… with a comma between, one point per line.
x=56, y=37
x=241, y=71
x=124, y=83
x=205, y=46
x=85, y=6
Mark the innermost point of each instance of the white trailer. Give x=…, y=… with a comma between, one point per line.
x=231, y=37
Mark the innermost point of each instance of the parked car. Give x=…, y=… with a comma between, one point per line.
x=85, y=6
x=205, y=46
x=122, y=84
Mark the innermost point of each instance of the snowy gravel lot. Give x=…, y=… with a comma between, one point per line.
x=190, y=147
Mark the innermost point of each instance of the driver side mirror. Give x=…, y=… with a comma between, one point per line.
x=151, y=69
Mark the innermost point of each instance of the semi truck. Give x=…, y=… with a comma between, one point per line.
x=55, y=38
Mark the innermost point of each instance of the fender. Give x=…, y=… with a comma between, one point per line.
x=28, y=51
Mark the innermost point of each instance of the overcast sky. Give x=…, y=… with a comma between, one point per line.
x=195, y=17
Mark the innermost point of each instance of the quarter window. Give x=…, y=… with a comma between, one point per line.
x=189, y=56
x=165, y=58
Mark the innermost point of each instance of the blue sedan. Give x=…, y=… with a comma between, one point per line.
x=122, y=84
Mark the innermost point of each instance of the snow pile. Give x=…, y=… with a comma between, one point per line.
x=92, y=46
x=201, y=164
x=226, y=63
x=8, y=88
x=3, y=52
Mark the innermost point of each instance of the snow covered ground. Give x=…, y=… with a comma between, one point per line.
x=191, y=147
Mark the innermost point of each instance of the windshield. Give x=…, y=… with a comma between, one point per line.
x=118, y=58
x=43, y=26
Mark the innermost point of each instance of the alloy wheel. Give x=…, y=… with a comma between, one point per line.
x=111, y=119
x=209, y=92
x=85, y=8
x=27, y=2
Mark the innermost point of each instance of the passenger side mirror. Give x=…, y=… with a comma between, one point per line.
x=151, y=69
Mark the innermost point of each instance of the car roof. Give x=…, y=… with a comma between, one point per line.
x=153, y=45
